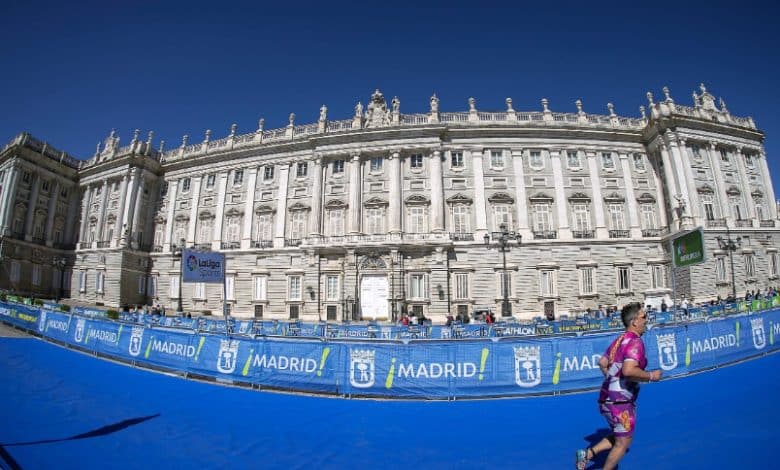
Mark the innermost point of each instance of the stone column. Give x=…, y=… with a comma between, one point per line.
x=315, y=228
x=169, y=222
x=120, y=220
x=31, y=206
x=695, y=209
x=101, y=223
x=355, y=184
x=216, y=243
x=769, y=192
x=7, y=198
x=136, y=222
x=745, y=184
x=521, y=201
x=437, y=193
x=721, y=198
x=195, y=202
x=127, y=214
x=633, y=215
x=249, y=209
x=85, y=203
x=281, y=205
x=54, y=196
x=479, y=193
x=598, y=199
x=661, y=203
x=669, y=182
x=395, y=192
x=564, y=229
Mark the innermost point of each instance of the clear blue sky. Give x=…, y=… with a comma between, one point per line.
x=72, y=71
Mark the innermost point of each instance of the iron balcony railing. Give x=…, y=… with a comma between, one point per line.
x=712, y=223
x=743, y=223
x=583, y=233
x=767, y=223
x=619, y=234
x=262, y=243
x=230, y=245
x=461, y=237
x=545, y=234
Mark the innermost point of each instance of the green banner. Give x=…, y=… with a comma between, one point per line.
x=688, y=249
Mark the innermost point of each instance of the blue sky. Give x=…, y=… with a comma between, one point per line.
x=72, y=71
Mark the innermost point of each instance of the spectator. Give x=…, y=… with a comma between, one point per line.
x=664, y=307
x=450, y=319
x=489, y=319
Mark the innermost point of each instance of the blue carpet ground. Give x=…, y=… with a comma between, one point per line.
x=62, y=409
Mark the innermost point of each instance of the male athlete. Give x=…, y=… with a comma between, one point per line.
x=623, y=367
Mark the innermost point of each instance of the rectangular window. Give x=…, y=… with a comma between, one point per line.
x=210, y=180
x=748, y=160
x=502, y=216
x=607, y=162
x=185, y=185
x=547, y=283
x=376, y=164
x=503, y=282
x=696, y=151
x=302, y=169
x=298, y=226
x=573, y=159
x=587, y=284
x=418, y=288
x=581, y=217
x=151, y=289
x=750, y=266
x=536, y=159
x=100, y=281
x=36, y=275
x=375, y=221
x=624, y=279
x=174, y=294
x=332, y=288
x=617, y=222
x=336, y=222
x=45, y=184
x=200, y=290
x=724, y=156
x=648, y=216
x=496, y=158
x=26, y=179
x=720, y=269
x=82, y=281
x=657, y=276
x=456, y=159
x=295, y=312
x=338, y=166
x=230, y=287
x=462, y=286
x=709, y=208
x=238, y=177
x=772, y=264
x=268, y=173
x=460, y=219
x=416, y=219
x=260, y=291
x=639, y=162
x=141, y=284
x=294, y=288
x=416, y=160
x=542, y=218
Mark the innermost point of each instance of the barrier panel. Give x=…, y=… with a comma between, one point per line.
x=497, y=366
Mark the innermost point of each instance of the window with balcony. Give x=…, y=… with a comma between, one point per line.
x=708, y=206
x=502, y=215
x=205, y=231
x=616, y=219
x=416, y=219
x=375, y=220
x=233, y=230
x=648, y=216
x=580, y=217
x=460, y=218
x=542, y=217
x=298, y=225
x=263, y=227
x=335, y=222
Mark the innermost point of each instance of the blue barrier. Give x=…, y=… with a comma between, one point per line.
x=510, y=366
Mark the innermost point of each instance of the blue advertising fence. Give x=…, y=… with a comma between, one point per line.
x=505, y=366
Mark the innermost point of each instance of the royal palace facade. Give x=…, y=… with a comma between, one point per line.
x=523, y=212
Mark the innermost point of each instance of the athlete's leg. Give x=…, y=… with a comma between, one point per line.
x=618, y=451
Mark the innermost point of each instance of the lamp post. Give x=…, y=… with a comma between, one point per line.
x=178, y=252
x=502, y=239
x=59, y=263
x=730, y=245
x=347, y=307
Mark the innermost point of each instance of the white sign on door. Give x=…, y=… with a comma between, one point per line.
x=373, y=297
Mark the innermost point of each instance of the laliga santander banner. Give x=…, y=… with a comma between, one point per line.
x=207, y=267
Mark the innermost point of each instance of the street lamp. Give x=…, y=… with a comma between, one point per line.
x=731, y=246
x=178, y=251
x=502, y=238
x=60, y=263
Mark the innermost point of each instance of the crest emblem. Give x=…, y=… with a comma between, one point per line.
x=667, y=351
x=228, y=354
x=361, y=368
x=136, y=338
x=528, y=366
x=42, y=321
x=79, y=335
x=759, y=335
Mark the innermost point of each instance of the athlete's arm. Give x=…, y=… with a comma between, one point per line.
x=604, y=365
x=631, y=370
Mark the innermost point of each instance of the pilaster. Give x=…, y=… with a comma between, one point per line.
x=633, y=213
x=315, y=228
x=745, y=185
x=521, y=201
x=249, y=206
x=564, y=230
x=479, y=192
x=54, y=196
x=169, y=222
x=598, y=199
x=769, y=191
x=216, y=243
x=31, y=207
x=437, y=193
x=281, y=205
x=395, y=192
x=195, y=203
x=354, y=195
x=722, y=199
x=118, y=233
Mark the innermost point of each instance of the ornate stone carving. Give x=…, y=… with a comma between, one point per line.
x=377, y=114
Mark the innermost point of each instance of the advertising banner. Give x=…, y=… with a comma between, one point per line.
x=199, y=266
x=688, y=249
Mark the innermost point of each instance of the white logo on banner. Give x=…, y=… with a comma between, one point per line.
x=136, y=338
x=79, y=335
x=42, y=321
x=361, y=368
x=759, y=337
x=528, y=366
x=228, y=354
x=667, y=351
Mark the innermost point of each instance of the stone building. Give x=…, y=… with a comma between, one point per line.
x=524, y=213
